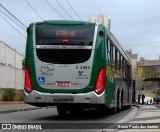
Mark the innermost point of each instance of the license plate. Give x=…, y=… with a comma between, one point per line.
x=63, y=84
x=63, y=98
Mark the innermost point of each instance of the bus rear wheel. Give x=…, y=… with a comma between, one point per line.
x=119, y=104
x=113, y=110
x=62, y=111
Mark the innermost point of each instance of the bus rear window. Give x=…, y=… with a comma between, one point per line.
x=64, y=44
x=70, y=35
x=63, y=56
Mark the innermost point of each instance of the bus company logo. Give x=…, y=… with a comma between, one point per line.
x=80, y=73
x=47, y=69
x=6, y=126
x=41, y=80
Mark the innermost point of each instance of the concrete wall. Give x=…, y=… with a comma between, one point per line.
x=9, y=57
x=2, y=53
x=11, y=77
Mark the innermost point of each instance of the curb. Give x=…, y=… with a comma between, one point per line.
x=139, y=108
x=158, y=106
x=12, y=102
x=114, y=130
x=18, y=110
x=24, y=109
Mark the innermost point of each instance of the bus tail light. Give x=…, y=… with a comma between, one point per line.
x=100, y=83
x=65, y=41
x=28, y=86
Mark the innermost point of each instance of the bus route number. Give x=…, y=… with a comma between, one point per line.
x=65, y=33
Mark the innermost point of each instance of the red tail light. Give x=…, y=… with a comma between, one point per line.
x=100, y=83
x=65, y=41
x=28, y=85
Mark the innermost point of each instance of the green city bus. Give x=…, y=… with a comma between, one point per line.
x=76, y=65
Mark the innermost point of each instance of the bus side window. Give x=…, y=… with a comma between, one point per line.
x=113, y=58
x=123, y=67
x=129, y=75
x=124, y=62
x=111, y=52
x=126, y=69
x=114, y=54
x=117, y=64
x=108, y=50
x=120, y=63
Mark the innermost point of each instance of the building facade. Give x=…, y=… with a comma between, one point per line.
x=145, y=74
x=101, y=19
x=134, y=61
x=9, y=57
x=12, y=74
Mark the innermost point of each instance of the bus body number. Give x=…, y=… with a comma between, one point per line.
x=82, y=67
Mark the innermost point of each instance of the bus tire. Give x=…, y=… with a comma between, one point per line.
x=129, y=106
x=62, y=111
x=119, y=103
x=113, y=111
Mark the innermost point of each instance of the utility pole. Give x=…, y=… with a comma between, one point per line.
x=15, y=69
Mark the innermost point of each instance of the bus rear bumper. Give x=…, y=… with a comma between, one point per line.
x=54, y=99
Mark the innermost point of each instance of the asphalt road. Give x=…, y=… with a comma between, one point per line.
x=50, y=115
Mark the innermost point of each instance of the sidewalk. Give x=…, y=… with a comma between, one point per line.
x=7, y=107
x=148, y=114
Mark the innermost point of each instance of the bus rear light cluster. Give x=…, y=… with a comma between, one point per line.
x=28, y=85
x=100, y=83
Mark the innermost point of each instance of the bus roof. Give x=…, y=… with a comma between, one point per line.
x=63, y=22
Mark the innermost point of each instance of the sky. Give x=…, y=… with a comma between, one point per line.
x=135, y=23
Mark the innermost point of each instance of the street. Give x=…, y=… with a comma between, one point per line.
x=50, y=115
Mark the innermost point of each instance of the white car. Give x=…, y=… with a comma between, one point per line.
x=147, y=99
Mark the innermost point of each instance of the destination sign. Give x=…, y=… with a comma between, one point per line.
x=61, y=33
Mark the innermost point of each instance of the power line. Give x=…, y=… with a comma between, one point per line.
x=54, y=9
x=73, y=9
x=142, y=44
x=34, y=10
x=64, y=10
x=13, y=20
x=10, y=15
x=12, y=26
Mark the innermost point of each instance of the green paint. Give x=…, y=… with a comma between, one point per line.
x=99, y=61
